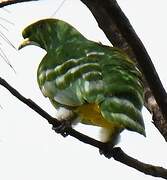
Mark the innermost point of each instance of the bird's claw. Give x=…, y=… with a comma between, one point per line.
x=62, y=128
x=106, y=150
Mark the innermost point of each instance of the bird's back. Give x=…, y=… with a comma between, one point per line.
x=83, y=76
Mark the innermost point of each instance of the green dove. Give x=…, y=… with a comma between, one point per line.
x=86, y=81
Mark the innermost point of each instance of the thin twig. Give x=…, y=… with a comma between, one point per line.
x=2, y=35
x=116, y=153
x=6, y=10
x=10, y=2
x=5, y=58
x=59, y=7
x=4, y=27
x=7, y=21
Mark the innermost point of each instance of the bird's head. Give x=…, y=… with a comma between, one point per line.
x=49, y=34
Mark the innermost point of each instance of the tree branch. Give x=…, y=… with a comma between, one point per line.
x=109, y=152
x=4, y=3
x=148, y=169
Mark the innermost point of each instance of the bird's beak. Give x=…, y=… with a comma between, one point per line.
x=27, y=42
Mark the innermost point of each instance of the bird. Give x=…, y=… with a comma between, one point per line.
x=87, y=82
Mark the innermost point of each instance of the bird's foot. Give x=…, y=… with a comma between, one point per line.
x=63, y=128
x=107, y=150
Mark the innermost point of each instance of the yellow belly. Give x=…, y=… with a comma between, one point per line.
x=90, y=114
